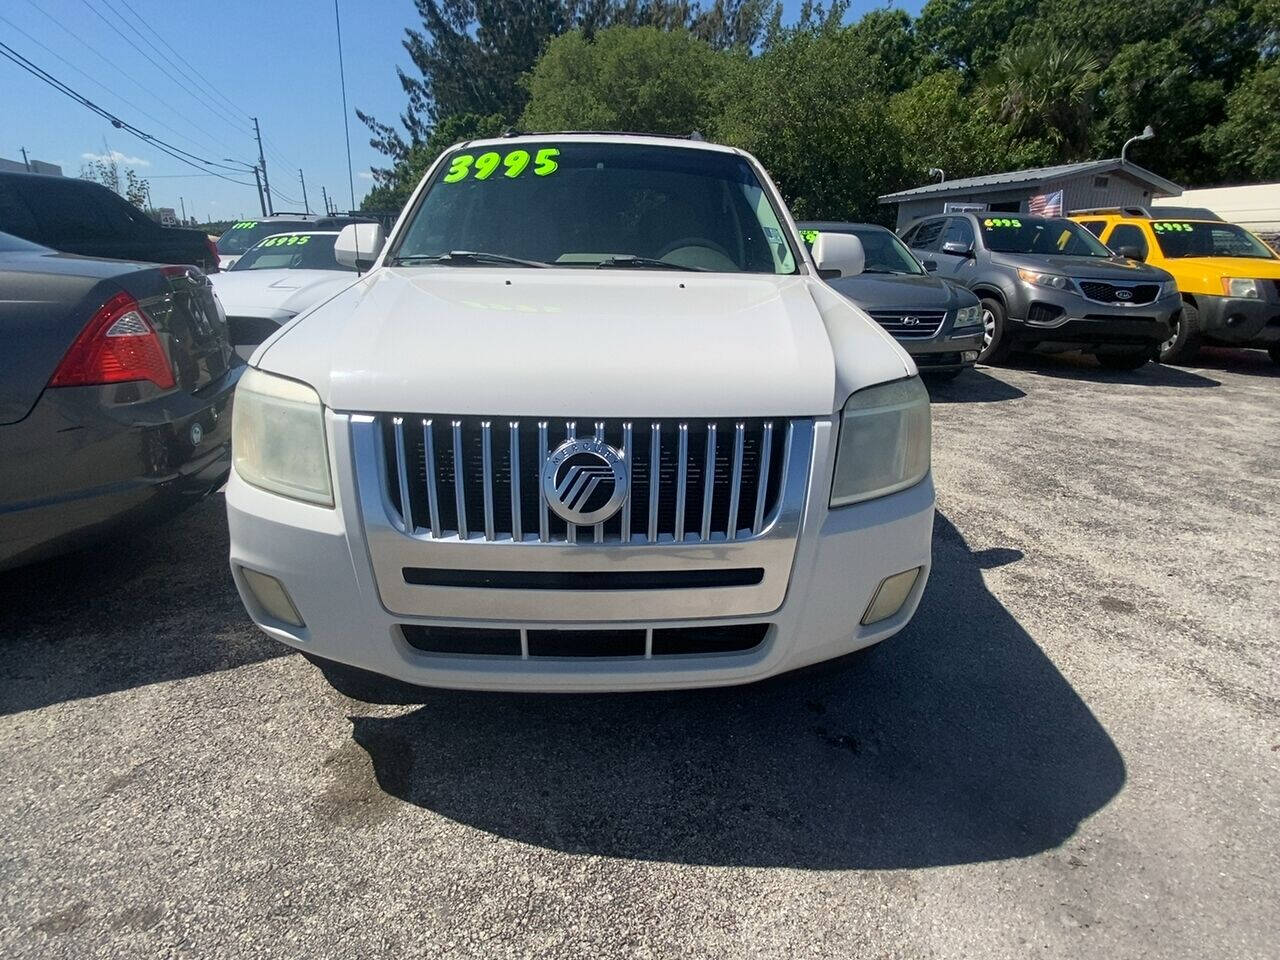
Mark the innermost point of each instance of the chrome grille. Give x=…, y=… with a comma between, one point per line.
x=910, y=324
x=480, y=477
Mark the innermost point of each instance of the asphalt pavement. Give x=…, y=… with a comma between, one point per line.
x=1071, y=752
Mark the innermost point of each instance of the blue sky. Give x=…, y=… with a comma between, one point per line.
x=274, y=60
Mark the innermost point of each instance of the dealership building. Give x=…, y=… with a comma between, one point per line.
x=1053, y=191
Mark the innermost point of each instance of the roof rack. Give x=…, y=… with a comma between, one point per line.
x=1159, y=213
x=1116, y=211
x=513, y=132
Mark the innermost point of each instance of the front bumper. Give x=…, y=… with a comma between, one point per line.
x=77, y=469
x=945, y=351
x=1063, y=318
x=838, y=560
x=1239, y=322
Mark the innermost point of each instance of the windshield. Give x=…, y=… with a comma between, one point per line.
x=885, y=253
x=1182, y=239
x=243, y=235
x=1039, y=235
x=294, y=251
x=599, y=205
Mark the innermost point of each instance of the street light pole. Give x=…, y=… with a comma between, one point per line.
x=1147, y=134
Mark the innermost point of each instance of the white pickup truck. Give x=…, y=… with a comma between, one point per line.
x=591, y=420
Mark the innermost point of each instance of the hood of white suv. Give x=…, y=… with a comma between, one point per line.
x=578, y=342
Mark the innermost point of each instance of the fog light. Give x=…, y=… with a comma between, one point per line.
x=890, y=596
x=969, y=355
x=272, y=597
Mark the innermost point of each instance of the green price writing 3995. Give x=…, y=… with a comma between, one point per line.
x=515, y=163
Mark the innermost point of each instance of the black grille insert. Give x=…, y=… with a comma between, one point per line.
x=584, y=580
x=1119, y=293
x=629, y=643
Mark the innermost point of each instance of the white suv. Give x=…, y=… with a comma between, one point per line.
x=530, y=450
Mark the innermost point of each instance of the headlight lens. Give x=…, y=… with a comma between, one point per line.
x=885, y=436
x=1168, y=288
x=277, y=438
x=969, y=316
x=1240, y=287
x=1045, y=279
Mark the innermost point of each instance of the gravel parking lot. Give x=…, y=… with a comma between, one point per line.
x=1072, y=751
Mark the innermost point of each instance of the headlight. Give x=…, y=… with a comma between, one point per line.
x=1045, y=279
x=969, y=316
x=277, y=438
x=1240, y=287
x=884, y=442
x=1168, y=288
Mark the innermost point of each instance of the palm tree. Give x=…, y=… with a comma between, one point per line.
x=1045, y=90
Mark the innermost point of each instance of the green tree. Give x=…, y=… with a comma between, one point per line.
x=968, y=35
x=1045, y=90
x=1249, y=138
x=106, y=171
x=628, y=78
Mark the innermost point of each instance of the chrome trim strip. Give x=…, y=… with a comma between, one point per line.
x=599, y=528
x=517, y=521
x=571, y=529
x=682, y=481
x=486, y=459
x=655, y=467
x=762, y=485
x=429, y=455
x=542, y=498
x=735, y=485
x=402, y=474
x=459, y=484
x=626, y=504
x=708, y=482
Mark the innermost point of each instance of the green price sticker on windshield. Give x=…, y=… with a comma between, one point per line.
x=245, y=225
x=285, y=241
x=810, y=237
x=512, y=165
x=1002, y=222
x=1168, y=227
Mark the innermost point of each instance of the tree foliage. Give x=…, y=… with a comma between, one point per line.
x=842, y=112
x=106, y=171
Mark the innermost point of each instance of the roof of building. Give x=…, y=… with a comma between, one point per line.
x=1034, y=176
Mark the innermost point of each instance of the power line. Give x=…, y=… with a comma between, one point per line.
x=218, y=111
x=97, y=83
x=165, y=147
x=116, y=69
x=192, y=72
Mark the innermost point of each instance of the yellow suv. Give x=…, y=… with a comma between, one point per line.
x=1229, y=279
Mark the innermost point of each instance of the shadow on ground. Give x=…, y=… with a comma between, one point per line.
x=1078, y=366
x=972, y=386
x=1253, y=363
x=157, y=605
x=957, y=741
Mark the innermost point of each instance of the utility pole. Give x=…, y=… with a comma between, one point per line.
x=303, y=181
x=324, y=195
x=183, y=203
x=25, y=162
x=262, y=162
x=258, y=180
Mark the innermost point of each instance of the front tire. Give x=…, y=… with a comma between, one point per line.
x=1128, y=360
x=995, y=337
x=1183, y=346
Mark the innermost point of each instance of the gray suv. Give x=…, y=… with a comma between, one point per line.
x=1049, y=284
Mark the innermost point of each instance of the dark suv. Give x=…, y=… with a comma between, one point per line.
x=1049, y=284
x=85, y=218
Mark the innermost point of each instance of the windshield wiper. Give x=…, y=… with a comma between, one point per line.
x=468, y=256
x=628, y=260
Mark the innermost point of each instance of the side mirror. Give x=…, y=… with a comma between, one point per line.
x=359, y=244
x=930, y=265
x=838, y=255
x=1130, y=251
x=957, y=249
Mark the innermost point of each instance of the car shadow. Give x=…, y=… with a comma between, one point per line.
x=958, y=741
x=1253, y=363
x=1075, y=366
x=120, y=614
x=972, y=386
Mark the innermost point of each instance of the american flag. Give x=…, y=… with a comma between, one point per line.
x=1046, y=204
